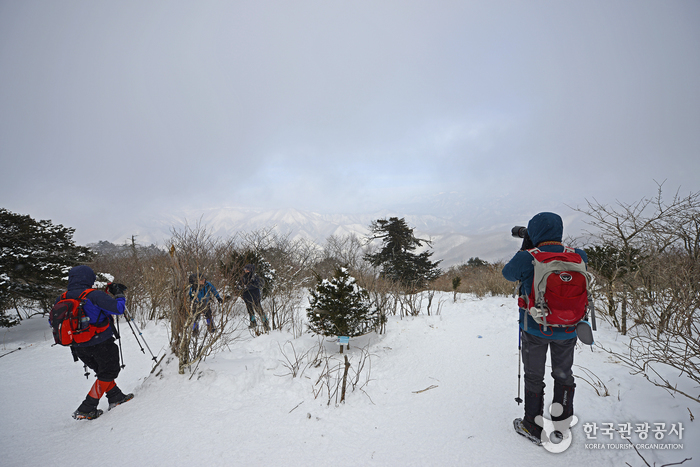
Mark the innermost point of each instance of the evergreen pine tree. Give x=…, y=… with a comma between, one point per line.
x=35, y=257
x=339, y=307
x=396, y=258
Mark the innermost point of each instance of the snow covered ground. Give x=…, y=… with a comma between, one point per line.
x=436, y=391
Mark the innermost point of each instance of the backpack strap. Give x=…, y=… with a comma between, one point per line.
x=97, y=327
x=84, y=294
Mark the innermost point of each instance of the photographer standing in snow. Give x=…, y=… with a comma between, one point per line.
x=544, y=231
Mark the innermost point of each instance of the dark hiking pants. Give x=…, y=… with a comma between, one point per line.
x=534, y=349
x=102, y=358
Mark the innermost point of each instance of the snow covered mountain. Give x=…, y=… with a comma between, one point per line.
x=454, y=240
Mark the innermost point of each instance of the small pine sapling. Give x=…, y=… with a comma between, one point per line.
x=339, y=307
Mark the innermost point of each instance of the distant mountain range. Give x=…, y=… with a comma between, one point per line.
x=454, y=239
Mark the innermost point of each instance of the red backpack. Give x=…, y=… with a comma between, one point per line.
x=559, y=295
x=69, y=322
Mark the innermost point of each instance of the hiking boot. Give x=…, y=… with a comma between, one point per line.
x=526, y=429
x=79, y=415
x=124, y=398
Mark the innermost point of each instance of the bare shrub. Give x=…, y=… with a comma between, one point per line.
x=652, y=285
x=144, y=270
x=335, y=373
x=195, y=251
x=635, y=231
x=381, y=296
x=291, y=261
x=481, y=280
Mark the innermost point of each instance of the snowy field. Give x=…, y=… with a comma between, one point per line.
x=435, y=391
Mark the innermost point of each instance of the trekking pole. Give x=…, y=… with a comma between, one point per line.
x=129, y=319
x=135, y=336
x=12, y=351
x=121, y=352
x=87, y=372
x=520, y=347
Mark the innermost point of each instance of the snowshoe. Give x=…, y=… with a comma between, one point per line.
x=522, y=430
x=78, y=415
x=126, y=398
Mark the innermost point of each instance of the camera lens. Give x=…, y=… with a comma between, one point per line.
x=519, y=231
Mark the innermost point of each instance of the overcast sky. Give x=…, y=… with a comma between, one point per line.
x=117, y=111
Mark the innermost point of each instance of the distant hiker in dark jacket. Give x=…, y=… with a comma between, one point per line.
x=100, y=353
x=545, y=231
x=250, y=285
x=201, y=291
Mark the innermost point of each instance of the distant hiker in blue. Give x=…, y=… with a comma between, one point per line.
x=201, y=291
x=545, y=231
x=100, y=353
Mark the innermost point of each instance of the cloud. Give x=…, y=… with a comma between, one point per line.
x=325, y=106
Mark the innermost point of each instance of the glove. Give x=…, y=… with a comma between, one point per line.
x=221, y=300
x=116, y=289
x=527, y=243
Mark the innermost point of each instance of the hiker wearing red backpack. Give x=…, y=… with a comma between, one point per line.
x=545, y=232
x=99, y=353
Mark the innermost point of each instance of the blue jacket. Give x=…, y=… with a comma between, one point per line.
x=205, y=293
x=544, y=227
x=99, y=306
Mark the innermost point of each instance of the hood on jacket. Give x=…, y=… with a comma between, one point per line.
x=81, y=277
x=545, y=227
x=250, y=267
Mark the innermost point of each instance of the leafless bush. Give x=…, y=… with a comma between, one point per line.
x=144, y=270
x=194, y=251
x=382, y=294
x=651, y=287
x=297, y=362
x=598, y=386
x=292, y=261
x=346, y=251
x=634, y=233
x=480, y=280
x=333, y=375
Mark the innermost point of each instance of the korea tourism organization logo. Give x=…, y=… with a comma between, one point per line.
x=638, y=435
x=557, y=437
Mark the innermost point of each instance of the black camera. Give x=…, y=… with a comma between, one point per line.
x=519, y=231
